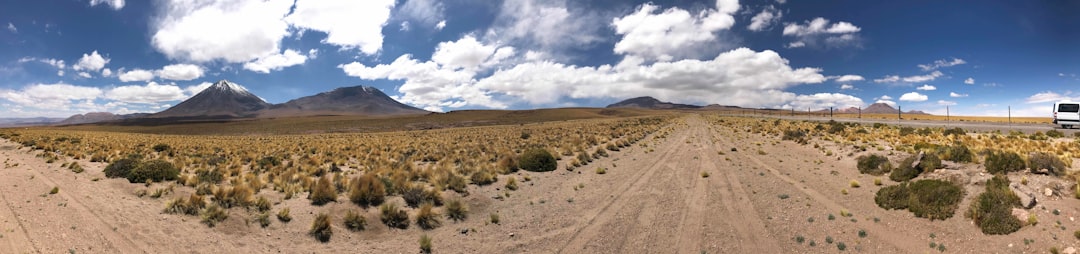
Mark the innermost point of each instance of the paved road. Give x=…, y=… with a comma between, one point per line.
x=969, y=126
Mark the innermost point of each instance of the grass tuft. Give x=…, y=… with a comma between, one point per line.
x=320, y=228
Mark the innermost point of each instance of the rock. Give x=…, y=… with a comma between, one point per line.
x=1027, y=200
x=1048, y=192
x=511, y=235
x=1069, y=250
x=499, y=197
x=464, y=231
x=918, y=159
x=1020, y=214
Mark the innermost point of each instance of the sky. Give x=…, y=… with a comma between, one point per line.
x=65, y=57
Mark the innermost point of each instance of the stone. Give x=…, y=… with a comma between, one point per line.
x=1048, y=192
x=1020, y=214
x=1069, y=250
x=1027, y=199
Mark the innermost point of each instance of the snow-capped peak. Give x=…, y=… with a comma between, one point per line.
x=226, y=86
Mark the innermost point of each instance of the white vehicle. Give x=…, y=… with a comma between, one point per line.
x=1067, y=114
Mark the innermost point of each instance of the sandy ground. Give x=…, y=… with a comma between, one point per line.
x=652, y=199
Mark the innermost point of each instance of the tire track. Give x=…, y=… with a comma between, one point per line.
x=21, y=240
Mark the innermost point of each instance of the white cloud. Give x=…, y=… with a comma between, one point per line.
x=313, y=53
x=84, y=74
x=846, y=87
x=404, y=26
x=347, y=23
x=440, y=25
x=106, y=72
x=941, y=64
x=1049, y=96
x=946, y=103
x=276, y=62
x=888, y=102
x=233, y=31
x=91, y=62
x=180, y=72
x=926, y=87
x=545, y=25
x=797, y=44
x=910, y=79
x=957, y=95
x=969, y=81
x=46, y=96
x=849, y=78
x=468, y=53
x=150, y=93
x=115, y=4
x=821, y=31
x=11, y=27
x=59, y=64
x=765, y=19
x=426, y=12
x=825, y=100
x=913, y=96
x=60, y=73
x=673, y=34
x=885, y=97
x=427, y=84
x=136, y=75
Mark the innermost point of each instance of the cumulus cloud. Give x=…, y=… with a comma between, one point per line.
x=926, y=87
x=276, y=61
x=180, y=72
x=106, y=72
x=440, y=25
x=957, y=95
x=136, y=75
x=914, y=97
x=233, y=31
x=849, y=78
x=84, y=74
x=150, y=93
x=946, y=103
x=115, y=4
x=91, y=62
x=765, y=19
x=969, y=81
x=846, y=87
x=545, y=25
x=1049, y=96
x=347, y=23
x=941, y=64
x=468, y=53
x=821, y=32
x=59, y=95
x=673, y=33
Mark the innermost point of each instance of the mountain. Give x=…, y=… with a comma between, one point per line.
x=224, y=99
x=96, y=117
x=30, y=121
x=650, y=103
x=876, y=108
x=357, y=100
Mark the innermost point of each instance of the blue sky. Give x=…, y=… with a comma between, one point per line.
x=62, y=57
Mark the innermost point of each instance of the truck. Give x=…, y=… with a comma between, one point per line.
x=1067, y=114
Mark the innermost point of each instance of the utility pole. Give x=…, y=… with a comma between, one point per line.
x=946, y=113
x=1010, y=116
x=860, y=112
x=830, y=113
x=899, y=110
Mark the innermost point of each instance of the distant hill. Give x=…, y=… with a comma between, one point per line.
x=29, y=121
x=357, y=100
x=876, y=108
x=224, y=99
x=96, y=117
x=647, y=102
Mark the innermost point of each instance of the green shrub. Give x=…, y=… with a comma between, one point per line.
x=904, y=131
x=932, y=199
x=320, y=228
x=835, y=127
x=538, y=160
x=427, y=218
x=263, y=219
x=213, y=176
x=482, y=177
x=929, y=163
x=992, y=210
x=121, y=168
x=154, y=170
x=213, y=214
x=1050, y=162
x=354, y=221
x=456, y=210
x=904, y=171
x=999, y=162
x=425, y=244
x=161, y=147
x=954, y=131
x=873, y=164
x=323, y=192
x=799, y=136
x=956, y=153
x=393, y=217
x=366, y=190
x=416, y=195
x=1055, y=134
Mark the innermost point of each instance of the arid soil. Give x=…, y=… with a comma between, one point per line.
x=693, y=188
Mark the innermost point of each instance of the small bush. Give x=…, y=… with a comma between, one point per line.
x=538, y=160
x=75, y=167
x=799, y=136
x=55, y=189
x=929, y=163
x=873, y=164
x=263, y=219
x=954, y=131
x=854, y=184
x=393, y=217
x=427, y=218
x=213, y=176
x=456, y=210
x=992, y=210
x=904, y=131
x=1050, y=162
x=121, y=168
x=416, y=195
x=999, y=162
x=956, y=153
x=511, y=183
x=932, y=199
x=283, y=215
x=213, y=214
x=154, y=170
x=425, y=244
x=482, y=177
x=161, y=147
x=366, y=191
x=323, y=192
x=190, y=206
x=1055, y=134
x=354, y=221
x=905, y=171
x=320, y=228
x=494, y=218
